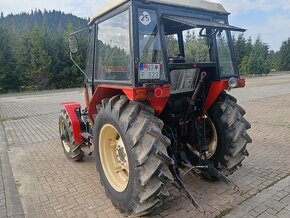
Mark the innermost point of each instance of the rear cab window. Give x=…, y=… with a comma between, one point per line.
x=150, y=53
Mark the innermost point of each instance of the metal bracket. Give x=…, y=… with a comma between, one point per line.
x=208, y=166
x=222, y=177
x=183, y=188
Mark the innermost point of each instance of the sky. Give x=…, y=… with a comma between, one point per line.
x=269, y=19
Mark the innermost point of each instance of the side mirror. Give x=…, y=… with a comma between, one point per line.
x=73, y=44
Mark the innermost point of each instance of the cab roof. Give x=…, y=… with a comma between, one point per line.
x=194, y=4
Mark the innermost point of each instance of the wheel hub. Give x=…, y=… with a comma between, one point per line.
x=121, y=155
x=211, y=140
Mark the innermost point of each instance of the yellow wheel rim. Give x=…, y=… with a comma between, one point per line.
x=64, y=136
x=113, y=157
x=212, y=140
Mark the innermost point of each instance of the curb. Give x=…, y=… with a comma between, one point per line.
x=13, y=203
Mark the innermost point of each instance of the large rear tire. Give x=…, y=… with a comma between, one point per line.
x=131, y=155
x=231, y=128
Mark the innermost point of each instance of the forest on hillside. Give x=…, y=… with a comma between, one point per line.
x=34, y=52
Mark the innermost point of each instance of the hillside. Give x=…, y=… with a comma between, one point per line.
x=51, y=19
x=34, y=51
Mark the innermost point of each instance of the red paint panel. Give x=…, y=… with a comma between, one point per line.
x=159, y=99
x=71, y=108
x=158, y=104
x=215, y=89
x=133, y=94
x=101, y=93
x=218, y=86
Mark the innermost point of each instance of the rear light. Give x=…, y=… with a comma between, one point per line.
x=158, y=92
x=233, y=82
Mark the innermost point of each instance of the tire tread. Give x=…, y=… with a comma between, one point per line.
x=148, y=147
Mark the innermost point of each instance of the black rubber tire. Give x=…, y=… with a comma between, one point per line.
x=233, y=138
x=75, y=152
x=146, y=147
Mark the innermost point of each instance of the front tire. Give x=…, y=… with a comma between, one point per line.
x=130, y=147
x=71, y=150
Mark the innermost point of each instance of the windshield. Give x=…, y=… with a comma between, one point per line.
x=196, y=48
x=195, y=40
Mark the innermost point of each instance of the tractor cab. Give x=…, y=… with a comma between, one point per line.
x=157, y=73
x=153, y=49
x=138, y=43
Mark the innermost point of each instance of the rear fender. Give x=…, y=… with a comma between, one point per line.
x=215, y=89
x=71, y=109
x=157, y=97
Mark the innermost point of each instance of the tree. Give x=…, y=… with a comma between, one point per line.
x=172, y=46
x=284, y=56
x=22, y=54
x=196, y=48
x=241, y=48
x=8, y=76
x=36, y=48
x=274, y=59
x=189, y=36
x=259, y=62
x=249, y=46
x=244, y=66
x=40, y=61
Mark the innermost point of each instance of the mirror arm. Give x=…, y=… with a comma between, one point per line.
x=72, y=59
x=79, y=31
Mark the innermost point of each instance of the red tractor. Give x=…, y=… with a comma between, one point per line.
x=157, y=73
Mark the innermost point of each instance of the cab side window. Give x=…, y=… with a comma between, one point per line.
x=90, y=54
x=114, y=48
